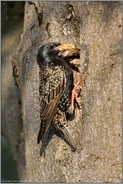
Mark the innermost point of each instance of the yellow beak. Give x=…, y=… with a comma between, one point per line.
x=68, y=50
x=64, y=47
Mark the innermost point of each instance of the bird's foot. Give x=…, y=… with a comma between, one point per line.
x=75, y=92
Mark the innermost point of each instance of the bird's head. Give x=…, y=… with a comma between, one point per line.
x=48, y=52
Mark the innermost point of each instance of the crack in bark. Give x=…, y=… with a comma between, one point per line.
x=40, y=15
x=48, y=29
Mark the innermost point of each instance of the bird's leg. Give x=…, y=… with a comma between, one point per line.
x=74, y=96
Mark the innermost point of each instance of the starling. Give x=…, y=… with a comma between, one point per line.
x=55, y=90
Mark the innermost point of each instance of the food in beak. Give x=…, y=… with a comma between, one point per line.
x=68, y=50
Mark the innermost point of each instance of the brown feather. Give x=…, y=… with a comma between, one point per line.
x=48, y=103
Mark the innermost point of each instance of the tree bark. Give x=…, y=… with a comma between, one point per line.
x=94, y=27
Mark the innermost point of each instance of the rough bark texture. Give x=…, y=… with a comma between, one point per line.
x=95, y=27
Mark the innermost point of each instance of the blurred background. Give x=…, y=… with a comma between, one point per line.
x=12, y=17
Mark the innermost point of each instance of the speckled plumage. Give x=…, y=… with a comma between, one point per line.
x=55, y=88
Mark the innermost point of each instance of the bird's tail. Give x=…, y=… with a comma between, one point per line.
x=66, y=136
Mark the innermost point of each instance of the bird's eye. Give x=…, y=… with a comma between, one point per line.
x=51, y=46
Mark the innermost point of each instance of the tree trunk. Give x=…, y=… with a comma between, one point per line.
x=94, y=27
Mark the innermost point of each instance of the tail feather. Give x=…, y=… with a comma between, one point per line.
x=66, y=136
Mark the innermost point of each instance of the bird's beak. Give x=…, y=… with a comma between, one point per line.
x=64, y=47
x=67, y=50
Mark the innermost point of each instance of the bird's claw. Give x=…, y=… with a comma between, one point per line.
x=75, y=92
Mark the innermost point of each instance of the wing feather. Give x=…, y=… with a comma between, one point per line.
x=48, y=102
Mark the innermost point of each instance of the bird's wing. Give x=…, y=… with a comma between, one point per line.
x=54, y=86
